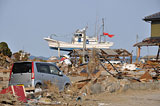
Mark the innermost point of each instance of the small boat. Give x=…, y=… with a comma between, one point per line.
x=77, y=42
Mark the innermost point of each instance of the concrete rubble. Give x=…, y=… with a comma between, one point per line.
x=91, y=78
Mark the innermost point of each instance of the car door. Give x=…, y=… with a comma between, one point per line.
x=58, y=79
x=43, y=72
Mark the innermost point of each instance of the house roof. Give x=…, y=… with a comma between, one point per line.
x=151, y=41
x=155, y=16
x=144, y=44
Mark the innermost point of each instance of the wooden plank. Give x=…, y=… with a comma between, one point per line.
x=5, y=78
x=4, y=83
x=29, y=88
x=1, y=78
x=4, y=74
x=146, y=77
x=4, y=70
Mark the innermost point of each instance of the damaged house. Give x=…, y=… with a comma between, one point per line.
x=154, y=39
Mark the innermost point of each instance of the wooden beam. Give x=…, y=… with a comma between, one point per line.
x=158, y=53
x=131, y=59
x=138, y=53
x=59, y=52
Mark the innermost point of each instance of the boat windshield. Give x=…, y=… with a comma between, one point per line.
x=80, y=35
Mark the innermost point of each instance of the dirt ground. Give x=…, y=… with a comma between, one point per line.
x=129, y=98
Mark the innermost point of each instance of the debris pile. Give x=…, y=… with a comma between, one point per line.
x=4, y=78
x=52, y=96
x=100, y=75
x=5, y=61
x=8, y=99
x=5, y=66
x=97, y=75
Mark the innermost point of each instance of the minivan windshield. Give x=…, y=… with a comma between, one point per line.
x=24, y=67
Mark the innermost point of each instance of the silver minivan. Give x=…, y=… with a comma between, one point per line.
x=33, y=74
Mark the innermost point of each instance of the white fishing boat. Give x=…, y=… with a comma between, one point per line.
x=77, y=42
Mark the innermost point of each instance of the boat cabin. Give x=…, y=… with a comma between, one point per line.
x=79, y=36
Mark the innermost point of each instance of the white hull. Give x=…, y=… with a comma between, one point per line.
x=64, y=46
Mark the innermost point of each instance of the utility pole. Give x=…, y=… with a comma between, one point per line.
x=84, y=43
x=137, y=48
x=58, y=49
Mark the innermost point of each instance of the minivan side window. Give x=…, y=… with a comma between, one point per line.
x=54, y=70
x=43, y=68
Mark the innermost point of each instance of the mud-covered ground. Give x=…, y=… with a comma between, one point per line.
x=128, y=98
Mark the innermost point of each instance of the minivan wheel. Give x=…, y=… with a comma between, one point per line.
x=38, y=88
x=67, y=87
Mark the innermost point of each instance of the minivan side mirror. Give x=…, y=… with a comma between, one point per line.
x=60, y=73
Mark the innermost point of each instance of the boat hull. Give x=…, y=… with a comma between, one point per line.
x=63, y=49
x=64, y=46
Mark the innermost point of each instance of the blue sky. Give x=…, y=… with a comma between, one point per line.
x=24, y=23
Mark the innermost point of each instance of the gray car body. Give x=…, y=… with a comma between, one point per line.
x=59, y=79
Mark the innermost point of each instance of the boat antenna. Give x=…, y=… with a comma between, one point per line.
x=51, y=36
x=96, y=30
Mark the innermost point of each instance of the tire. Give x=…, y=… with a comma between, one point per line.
x=67, y=87
x=38, y=88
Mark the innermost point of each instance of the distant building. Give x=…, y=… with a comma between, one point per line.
x=154, y=39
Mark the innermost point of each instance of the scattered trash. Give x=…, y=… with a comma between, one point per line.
x=103, y=104
x=131, y=67
x=38, y=90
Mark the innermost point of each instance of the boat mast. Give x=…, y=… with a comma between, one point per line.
x=96, y=30
x=103, y=29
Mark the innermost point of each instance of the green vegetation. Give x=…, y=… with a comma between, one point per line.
x=5, y=50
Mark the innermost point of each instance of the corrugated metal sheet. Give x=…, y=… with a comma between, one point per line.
x=110, y=52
